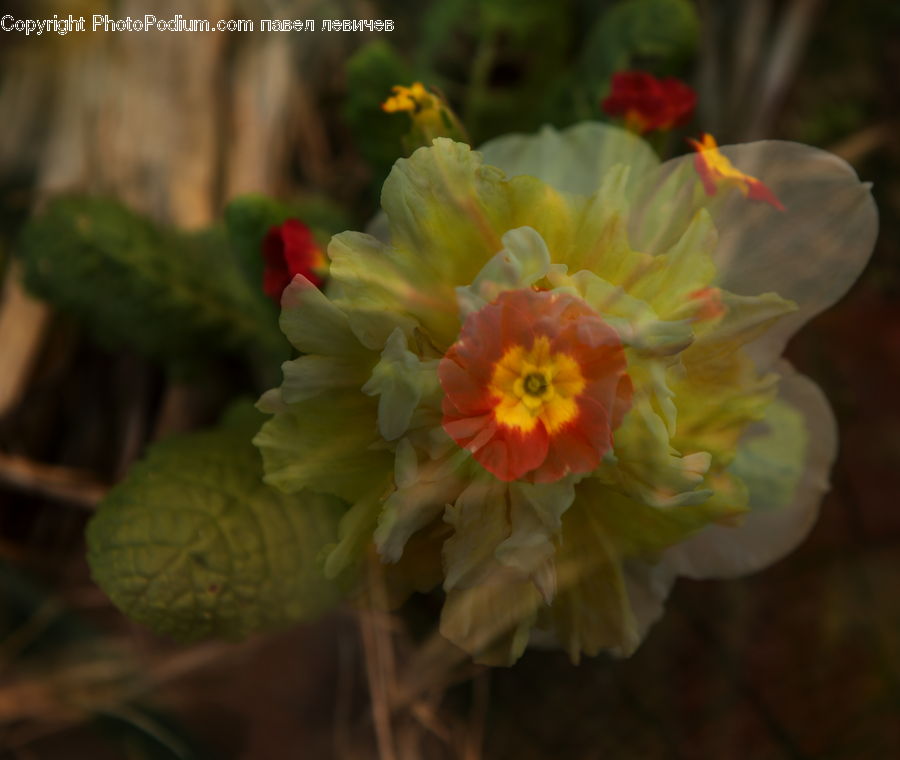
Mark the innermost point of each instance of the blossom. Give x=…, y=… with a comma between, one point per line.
x=717, y=171
x=290, y=249
x=648, y=103
x=413, y=99
x=429, y=113
x=535, y=384
x=552, y=384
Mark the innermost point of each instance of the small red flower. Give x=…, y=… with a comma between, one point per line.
x=290, y=249
x=648, y=103
x=535, y=385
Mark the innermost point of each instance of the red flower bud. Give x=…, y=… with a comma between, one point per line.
x=648, y=103
x=290, y=249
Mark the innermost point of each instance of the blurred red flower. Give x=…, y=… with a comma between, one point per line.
x=648, y=103
x=290, y=249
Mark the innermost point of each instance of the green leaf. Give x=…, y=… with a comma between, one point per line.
x=665, y=30
x=171, y=296
x=194, y=545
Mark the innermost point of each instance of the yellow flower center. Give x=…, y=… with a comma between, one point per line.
x=534, y=385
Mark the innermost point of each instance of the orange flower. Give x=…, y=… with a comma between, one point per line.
x=535, y=385
x=648, y=103
x=716, y=170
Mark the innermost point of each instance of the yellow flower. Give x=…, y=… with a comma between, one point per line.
x=413, y=99
x=430, y=115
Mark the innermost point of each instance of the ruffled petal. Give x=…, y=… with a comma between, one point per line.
x=314, y=324
x=771, y=529
x=574, y=160
x=379, y=292
x=399, y=380
x=511, y=453
x=591, y=611
x=491, y=621
x=414, y=504
x=324, y=444
x=308, y=376
x=523, y=261
x=810, y=253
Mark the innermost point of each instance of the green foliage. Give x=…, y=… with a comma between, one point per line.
x=249, y=217
x=505, y=61
x=194, y=545
x=378, y=136
x=171, y=296
x=637, y=30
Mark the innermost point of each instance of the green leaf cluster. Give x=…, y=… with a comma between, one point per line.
x=172, y=296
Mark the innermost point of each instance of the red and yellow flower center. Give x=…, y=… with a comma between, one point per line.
x=535, y=385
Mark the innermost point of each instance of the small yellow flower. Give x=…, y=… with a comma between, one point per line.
x=429, y=113
x=413, y=99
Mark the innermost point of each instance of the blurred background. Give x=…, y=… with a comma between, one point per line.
x=799, y=661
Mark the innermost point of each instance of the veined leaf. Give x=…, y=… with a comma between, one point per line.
x=194, y=545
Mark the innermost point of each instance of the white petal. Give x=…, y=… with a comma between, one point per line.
x=573, y=160
x=811, y=252
x=647, y=587
x=767, y=535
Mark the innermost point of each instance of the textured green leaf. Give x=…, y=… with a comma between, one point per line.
x=194, y=545
x=171, y=296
